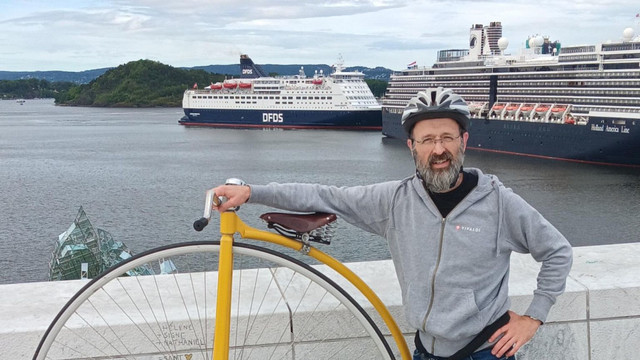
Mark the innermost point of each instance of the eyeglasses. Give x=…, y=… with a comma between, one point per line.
x=429, y=142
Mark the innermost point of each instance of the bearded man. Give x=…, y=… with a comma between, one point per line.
x=450, y=231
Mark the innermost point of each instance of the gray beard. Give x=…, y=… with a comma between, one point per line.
x=439, y=181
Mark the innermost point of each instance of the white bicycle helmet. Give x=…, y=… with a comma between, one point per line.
x=435, y=103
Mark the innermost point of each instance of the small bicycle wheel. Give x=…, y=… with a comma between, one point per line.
x=281, y=309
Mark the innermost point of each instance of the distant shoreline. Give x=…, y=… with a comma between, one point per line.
x=92, y=106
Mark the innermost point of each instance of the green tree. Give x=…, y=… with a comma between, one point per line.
x=31, y=88
x=378, y=87
x=142, y=83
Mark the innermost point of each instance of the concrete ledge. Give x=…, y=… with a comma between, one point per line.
x=598, y=317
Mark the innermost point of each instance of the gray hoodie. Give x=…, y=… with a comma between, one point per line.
x=453, y=271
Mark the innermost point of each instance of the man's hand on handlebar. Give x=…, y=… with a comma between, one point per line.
x=236, y=196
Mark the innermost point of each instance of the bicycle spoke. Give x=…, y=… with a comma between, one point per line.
x=278, y=312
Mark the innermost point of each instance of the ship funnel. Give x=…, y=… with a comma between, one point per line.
x=249, y=70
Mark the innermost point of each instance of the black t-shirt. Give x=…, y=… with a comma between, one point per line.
x=445, y=202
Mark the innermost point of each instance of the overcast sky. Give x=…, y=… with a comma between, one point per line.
x=77, y=35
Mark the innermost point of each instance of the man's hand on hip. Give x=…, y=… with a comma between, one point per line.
x=518, y=331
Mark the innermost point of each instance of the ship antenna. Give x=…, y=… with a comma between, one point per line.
x=339, y=64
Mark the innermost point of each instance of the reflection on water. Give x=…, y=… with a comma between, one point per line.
x=142, y=177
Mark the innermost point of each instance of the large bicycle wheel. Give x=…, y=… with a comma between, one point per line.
x=281, y=309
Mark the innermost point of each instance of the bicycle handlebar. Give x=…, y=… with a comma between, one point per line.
x=211, y=199
x=200, y=224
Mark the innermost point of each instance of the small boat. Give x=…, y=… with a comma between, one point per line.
x=558, y=109
x=245, y=85
x=498, y=107
x=513, y=107
x=230, y=84
x=216, y=86
x=542, y=108
x=526, y=107
x=317, y=81
x=21, y=101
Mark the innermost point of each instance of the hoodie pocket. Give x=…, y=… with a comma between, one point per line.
x=454, y=314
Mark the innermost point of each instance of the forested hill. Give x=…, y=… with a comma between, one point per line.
x=83, y=77
x=142, y=83
x=78, y=77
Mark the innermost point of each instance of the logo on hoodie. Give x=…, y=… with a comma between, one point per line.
x=468, y=228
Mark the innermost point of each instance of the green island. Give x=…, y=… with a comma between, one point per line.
x=141, y=83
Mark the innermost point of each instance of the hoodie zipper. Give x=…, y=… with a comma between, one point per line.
x=433, y=283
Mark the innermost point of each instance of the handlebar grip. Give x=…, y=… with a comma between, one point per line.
x=200, y=224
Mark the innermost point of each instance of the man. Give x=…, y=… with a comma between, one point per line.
x=450, y=232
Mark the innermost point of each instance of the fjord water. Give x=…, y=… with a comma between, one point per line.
x=142, y=177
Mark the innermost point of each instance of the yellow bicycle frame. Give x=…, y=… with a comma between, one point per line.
x=231, y=224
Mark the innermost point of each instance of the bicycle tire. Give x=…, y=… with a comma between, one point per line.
x=115, y=317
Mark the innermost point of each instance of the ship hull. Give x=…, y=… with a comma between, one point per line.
x=607, y=143
x=292, y=119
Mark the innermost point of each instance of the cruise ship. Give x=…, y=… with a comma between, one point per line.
x=577, y=103
x=340, y=100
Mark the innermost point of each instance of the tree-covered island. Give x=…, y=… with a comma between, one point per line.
x=141, y=83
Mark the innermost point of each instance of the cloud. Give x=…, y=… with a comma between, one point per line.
x=77, y=35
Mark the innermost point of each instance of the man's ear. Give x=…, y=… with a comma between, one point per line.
x=465, y=137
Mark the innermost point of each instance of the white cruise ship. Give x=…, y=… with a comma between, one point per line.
x=341, y=100
x=579, y=103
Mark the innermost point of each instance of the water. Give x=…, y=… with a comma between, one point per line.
x=142, y=177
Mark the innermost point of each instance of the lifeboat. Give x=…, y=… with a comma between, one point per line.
x=497, y=107
x=317, y=81
x=542, y=108
x=216, y=86
x=230, y=84
x=245, y=85
x=556, y=109
x=473, y=106
x=512, y=107
x=569, y=120
x=526, y=108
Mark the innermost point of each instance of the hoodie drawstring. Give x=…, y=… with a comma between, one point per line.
x=500, y=210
